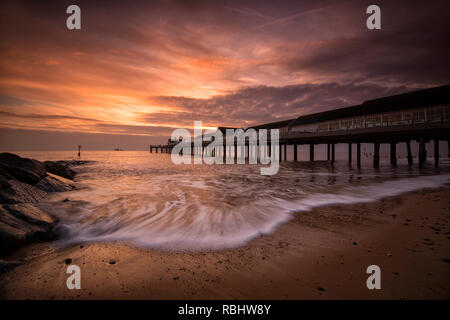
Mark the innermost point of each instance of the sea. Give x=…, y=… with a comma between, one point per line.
x=146, y=200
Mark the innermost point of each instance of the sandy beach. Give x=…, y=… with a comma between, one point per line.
x=321, y=254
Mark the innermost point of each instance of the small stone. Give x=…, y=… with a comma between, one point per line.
x=112, y=262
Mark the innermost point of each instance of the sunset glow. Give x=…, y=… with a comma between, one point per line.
x=151, y=67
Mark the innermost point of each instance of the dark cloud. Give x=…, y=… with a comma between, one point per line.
x=6, y=100
x=44, y=116
x=250, y=106
x=412, y=48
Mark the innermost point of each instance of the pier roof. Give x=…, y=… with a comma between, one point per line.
x=273, y=125
x=414, y=99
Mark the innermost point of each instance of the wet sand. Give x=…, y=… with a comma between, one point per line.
x=322, y=254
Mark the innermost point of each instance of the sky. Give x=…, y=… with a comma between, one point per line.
x=137, y=70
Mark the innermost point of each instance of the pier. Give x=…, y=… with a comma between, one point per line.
x=422, y=116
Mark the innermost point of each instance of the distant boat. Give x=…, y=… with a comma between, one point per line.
x=118, y=149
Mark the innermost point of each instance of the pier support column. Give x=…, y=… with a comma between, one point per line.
x=376, y=154
x=151, y=149
x=285, y=152
x=408, y=149
x=349, y=153
x=436, y=153
x=332, y=153
x=311, y=152
x=328, y=151
x=235, y=153
x=224, y=152
x=422, y=152
x=393, y=154
x=245, y=152
x=248, y=153
x=269, y=151
x=295, y=152
x=279, y=151
x=358, y=154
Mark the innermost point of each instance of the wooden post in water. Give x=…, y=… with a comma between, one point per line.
x=279, y=151
x=311, y=152
x=333, y=156
x=349, y=153
x=436, y=153
x=295, y=152
x=285, y=152
x=410, y=158
x=328, y=151
x=79, y=150
x=422, y=152
x=358, y=154
x=393, y=154
x=224, y=154
x=376, y=154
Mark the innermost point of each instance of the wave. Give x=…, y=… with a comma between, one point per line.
x=204, y=215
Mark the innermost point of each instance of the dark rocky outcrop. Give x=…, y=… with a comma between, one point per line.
x=53, y=183
x=59, y=168
x=22, y=225
x=24, y=170
x=24, y=182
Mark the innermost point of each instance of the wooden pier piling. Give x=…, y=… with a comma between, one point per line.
x=436, y=153
x=409, y=156
x=358, y=154
x=376, y=154
x=393, y=154
x=349, y=153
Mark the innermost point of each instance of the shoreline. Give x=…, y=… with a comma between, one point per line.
x=319, y=254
